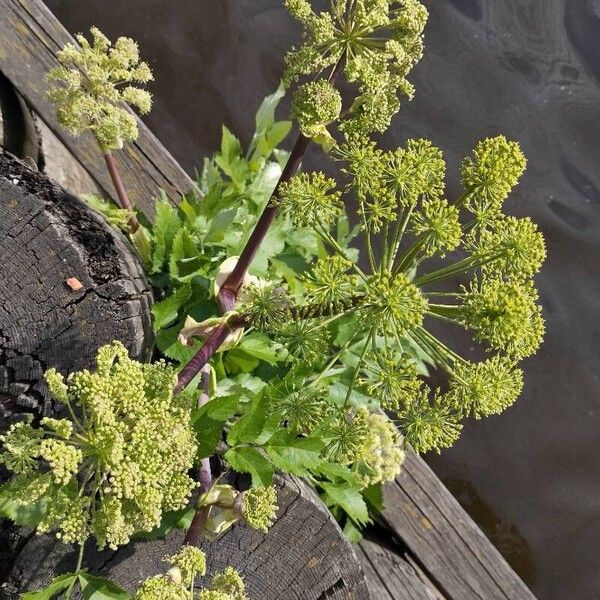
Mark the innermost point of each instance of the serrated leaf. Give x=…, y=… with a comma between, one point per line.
x=352, y=532
x=348, y=498
x=260, y=346
x=99, y=588
x=374, y=497
x=55, y=587
x=166, y=311
x=166, y=226
x=218, y=226
x=250, y=460
x=250, y=427
x=167, y=342
x=141, y=241
x=294, y=455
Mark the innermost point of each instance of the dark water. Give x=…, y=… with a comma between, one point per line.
x=527, y=68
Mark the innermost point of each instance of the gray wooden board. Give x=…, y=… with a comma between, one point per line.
x=391, y=576
x=443, y=541
x=31, y=35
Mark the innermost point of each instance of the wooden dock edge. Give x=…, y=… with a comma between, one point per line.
x=427, y=547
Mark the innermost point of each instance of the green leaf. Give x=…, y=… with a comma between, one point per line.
x=115, y=216
x=250, y=460
x=167, y=342
x=185, y=259
x=230, y=159
x=348, y=498
x=238, y=361
x=209, y=420
x=374, y=497
x=55, y=587
x=166, y=226
x=175, y=519
x=260, y=346
x=99, y=588
x=218, y=226
x=352, y=531
x=166, y=311
x=265, y=115
x=251, y=426
x=294, y=455
x=27, y=516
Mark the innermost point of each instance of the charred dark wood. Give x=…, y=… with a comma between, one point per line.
x=50, y=245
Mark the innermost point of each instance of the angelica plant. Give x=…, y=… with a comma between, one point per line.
x=300, y=345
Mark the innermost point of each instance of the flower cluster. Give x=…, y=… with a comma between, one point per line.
x=95, y=81
x=378, y=42
x=118, y=464
x=406, y=221
x=178, y=583
x=256, y=507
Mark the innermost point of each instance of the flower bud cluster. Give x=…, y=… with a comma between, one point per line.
x=378, y=42
x=114, y=469
x=95, y=80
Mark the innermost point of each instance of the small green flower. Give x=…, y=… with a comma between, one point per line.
x=162, y=588
x=485, y=388
x=415, y=172
x=309, y=199
x=306, y=342
x=347, y=433
x=392, y=379
x=315, y=105
x=490, y=174
x=229, y=582
x=506, y=315
x=512, y=248
x=120, y=465
x=394, y=304
x=191, y=562
x=329, y=285
x=94, y=84
x=438, y=226
x=302, y=408
x=259, y=507
x=382, y=453
x=378, y=42
x=429, y=424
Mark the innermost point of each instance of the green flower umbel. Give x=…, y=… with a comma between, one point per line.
x=95, y=81
x=377, y=42
x=119, y=464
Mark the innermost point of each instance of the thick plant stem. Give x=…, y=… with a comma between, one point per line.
x=234, y=281
x=194, y=533
x=211, y=344
x=122, y=194
x=226, y=297
x=204, y=474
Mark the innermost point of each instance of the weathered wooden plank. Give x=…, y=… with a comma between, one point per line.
x=452, y=551
x=30, y=37
x=391, y=576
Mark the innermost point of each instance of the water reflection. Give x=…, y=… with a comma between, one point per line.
x=527, y=68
